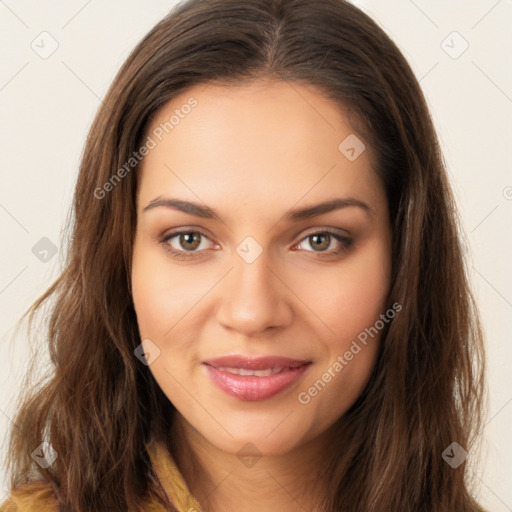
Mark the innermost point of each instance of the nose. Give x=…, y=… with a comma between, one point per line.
x=254, y=298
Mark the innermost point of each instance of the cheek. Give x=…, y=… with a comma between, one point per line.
x=163, y=294
x=349, y=297
x=151, y=297
x=165, y=315
x=349, y=301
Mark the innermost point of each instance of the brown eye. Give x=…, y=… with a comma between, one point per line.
x=190, y=241
x=320, y=241
x=185, y=243
x=325, y=242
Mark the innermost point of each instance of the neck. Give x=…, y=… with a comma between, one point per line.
x=223, y=482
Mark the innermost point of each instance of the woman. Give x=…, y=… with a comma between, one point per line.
x=265, y=305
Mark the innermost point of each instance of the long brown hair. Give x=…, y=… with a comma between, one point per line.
x=100, y=406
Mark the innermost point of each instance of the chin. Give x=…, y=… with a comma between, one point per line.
x=258, y=442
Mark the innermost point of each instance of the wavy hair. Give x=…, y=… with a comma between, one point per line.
x=100, y=407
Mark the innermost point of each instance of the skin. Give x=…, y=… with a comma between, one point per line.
x=253, y=152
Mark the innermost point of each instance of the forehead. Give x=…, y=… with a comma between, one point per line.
x=255, y=143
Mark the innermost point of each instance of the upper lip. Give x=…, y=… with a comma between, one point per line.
x=255, y=363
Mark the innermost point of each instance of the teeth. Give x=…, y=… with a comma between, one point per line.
x=258, y=373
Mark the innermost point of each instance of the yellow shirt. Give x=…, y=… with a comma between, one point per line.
x=40, y=496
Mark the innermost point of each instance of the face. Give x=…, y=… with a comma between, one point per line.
x=250, y=300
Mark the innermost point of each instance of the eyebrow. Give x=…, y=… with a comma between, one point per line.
x=293, y=215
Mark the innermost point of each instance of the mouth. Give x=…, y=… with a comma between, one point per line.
x=253, y=379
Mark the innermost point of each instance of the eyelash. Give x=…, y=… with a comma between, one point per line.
x=344, y=241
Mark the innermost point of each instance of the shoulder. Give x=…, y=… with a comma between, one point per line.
x=32, y=497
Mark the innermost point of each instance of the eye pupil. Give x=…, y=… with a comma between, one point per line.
x=322, y=245
x=188, y=238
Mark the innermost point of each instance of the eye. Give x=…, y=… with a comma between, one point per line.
x=327, y=242
x=189, y=243
x=185, y=242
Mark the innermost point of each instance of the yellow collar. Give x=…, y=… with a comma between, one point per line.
x=171, y=478
x=39, y=496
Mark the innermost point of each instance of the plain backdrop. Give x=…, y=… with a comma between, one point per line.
x=459, y=50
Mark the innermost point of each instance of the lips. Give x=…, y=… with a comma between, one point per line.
x=257, y=373
x=254, y=379
x=259, y=363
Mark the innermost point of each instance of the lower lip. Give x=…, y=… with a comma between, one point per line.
x=253, y=388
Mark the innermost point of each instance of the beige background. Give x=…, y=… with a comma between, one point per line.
x=47, y=105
